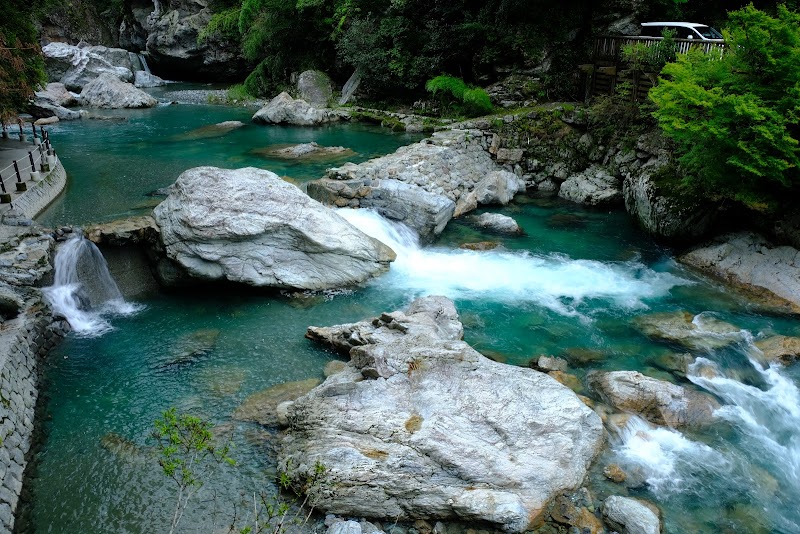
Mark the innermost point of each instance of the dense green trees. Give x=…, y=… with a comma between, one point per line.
x=736, y=119
x=21, y=64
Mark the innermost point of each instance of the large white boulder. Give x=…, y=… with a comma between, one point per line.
x=76, y=66
x=283, y=109
x=108, y=91
x=630, y=516
x=592, y=187
x=249, y=226
x=748, y=261
x=420, y=425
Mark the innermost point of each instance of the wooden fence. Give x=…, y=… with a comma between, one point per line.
x=608, y=68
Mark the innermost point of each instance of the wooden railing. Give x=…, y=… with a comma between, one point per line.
x=609, y=47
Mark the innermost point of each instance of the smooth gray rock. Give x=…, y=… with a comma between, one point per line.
x=496, y=222
x=449, y=174
x=657, y=401
x=249, y=226
x=283, y=109
x=344, y=527
x=629, y=516
x=76, y=66
x=50, y=102
x=748, y=261
x=314, y=87
x=592, y=187
x=668, y=216
x=702, y=332
x=421, y=426
x=145, y=79
x=108, y=91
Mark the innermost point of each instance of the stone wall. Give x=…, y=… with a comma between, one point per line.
x=40, y=194
x=24, y=341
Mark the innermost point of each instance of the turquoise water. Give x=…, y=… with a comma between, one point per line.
x=569, y=287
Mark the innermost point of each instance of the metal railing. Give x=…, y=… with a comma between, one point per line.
x=38, y=157
x=609, y=47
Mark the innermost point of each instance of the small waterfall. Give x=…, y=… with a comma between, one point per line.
x=84, y=291
x=554, y=281
x=144, y=63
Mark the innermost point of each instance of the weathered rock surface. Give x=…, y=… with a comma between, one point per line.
x=146, y=79
x=76, y=66
x=783, y=349
x=108, y=91
x=749, y=262
x=129, y=231
x=629, y=516
x=669, y=216
x=173, y=45
x=249, y=226
x=420, y=425
x=283, y=109
x=592, y=187
x=422, y=185
x=657, y=401
x=694, y=332
x=10, y=302
x=51, y=102
x=314, y=87
x=496, y=222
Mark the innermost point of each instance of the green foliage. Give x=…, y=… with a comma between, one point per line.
x=477, y=102
x=21, y=63
x=652, y=56
x=223, y=25
x=736, y=119
x=186, y=448
x=455, y=95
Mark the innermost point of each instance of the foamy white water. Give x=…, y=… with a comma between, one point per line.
x=84, y=291
x=554, y=281
x=669, y=461
x=768, y=416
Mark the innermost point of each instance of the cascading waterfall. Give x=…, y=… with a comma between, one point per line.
x=554, y=281
x=143, y=60
x=84, y=291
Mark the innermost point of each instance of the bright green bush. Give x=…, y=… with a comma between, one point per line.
x=447, y=86
x=477, y=102
x=223, y=25
x=736, y=119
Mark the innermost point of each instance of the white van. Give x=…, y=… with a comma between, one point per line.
x=682, y=30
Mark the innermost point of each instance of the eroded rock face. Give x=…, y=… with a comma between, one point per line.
x=420, y=425
x=672, y=217
x=749, y=262
x=657, y=401
x=592, y=187
x=145, y=79
x=76, y=66
x=422, y=185
x=283, y=109
x=108, y=91
x=315, y=88
x=51, y=102
x=249, y=226
x=173, y=46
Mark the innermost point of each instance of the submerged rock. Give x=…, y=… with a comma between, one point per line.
x=630, y=516
x=749, y=262
x=249, y=226
x=261, y=407
x=211, y=130
x=108, y=91
x=657, y=401
x=695, y=332
x=304, y=151
x=191, y=347
x=283, y=109
x=421, y=426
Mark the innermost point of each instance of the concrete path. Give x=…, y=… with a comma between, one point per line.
x=14, y=150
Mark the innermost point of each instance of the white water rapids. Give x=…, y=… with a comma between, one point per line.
x=554, y=281
x=84, y=291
